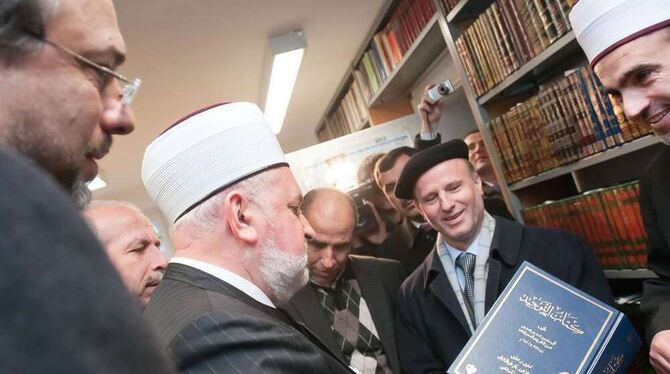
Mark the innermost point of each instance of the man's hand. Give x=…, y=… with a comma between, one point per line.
x=430, y=113
x=659, y=353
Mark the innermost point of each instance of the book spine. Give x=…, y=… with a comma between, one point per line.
x=532, y=21
x=607, y=108
x=594, y=106
x=520, y=28
x=581, y=116
x=513, y=35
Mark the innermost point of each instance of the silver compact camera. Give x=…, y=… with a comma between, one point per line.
x=440, y=91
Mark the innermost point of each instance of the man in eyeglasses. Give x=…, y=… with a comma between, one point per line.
x=64, y=309
x=60, y=95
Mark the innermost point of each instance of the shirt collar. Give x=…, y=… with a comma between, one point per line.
x=227, y=276
x=454, y=253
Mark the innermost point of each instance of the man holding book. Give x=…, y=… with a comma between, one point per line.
x=627, y=43
x=441, y=304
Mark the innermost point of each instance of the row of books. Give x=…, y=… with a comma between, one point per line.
x=568, y=120
x=507, y=35
x=386, y=51
x=349, y=116
x=608, y=219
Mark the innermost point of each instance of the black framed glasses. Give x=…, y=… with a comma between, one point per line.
x=130, y=87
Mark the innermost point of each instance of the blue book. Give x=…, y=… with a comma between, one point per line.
x=542, y=325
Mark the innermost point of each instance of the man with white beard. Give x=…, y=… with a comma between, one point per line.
x=220, y=176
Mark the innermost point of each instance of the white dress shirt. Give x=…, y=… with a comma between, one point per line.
x=227, y=276
x=454, y=253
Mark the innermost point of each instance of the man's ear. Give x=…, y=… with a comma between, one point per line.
x=240, y=217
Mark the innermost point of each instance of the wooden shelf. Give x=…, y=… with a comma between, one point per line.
x=630, y=274
x=467, y=9
x=586, y=162
x=536, y=67
x=426, y=49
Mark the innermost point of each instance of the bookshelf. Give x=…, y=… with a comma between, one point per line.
x=529, y=73
x=491, y=96
x=532, y=73
x=630, y=274
x=598, y=158
x=403, y=43
x=466, y=9
x=428, y=47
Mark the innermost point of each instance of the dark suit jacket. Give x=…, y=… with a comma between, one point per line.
x=379, y=280
x=430, y=326
x=64, y=308
x=211, y=326
x=406, y=245
x=655, y=207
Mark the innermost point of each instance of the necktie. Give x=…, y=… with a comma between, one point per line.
x=466, y=262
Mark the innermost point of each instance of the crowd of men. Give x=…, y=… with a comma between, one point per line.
x=264, y=279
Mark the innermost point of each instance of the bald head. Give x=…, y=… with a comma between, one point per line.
x=332, y=215
x=329, y=202
x=131, y=244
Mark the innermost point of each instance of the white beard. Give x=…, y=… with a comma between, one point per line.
x=283, y=273
x=81, y=195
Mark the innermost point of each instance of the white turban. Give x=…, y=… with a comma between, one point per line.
x=205, y=152
x=603, y=25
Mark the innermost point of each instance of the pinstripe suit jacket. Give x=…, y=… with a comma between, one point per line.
x=210, y=326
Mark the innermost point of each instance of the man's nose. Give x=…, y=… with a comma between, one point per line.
x=635, y=104
x=307, y=228
x=117, y=118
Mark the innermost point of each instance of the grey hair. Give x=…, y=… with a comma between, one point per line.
x=114, y=204
x=95, y=204
x=22, y=23
x=205, y=216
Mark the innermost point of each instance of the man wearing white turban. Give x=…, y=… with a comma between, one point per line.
x=220, y=176
x=627, y=43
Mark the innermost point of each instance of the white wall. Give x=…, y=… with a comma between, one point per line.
x=457, y=118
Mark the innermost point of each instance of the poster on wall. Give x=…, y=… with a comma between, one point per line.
x=335, y=163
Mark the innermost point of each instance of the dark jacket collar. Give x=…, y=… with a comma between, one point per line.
x=408, y=232
x=505, y=246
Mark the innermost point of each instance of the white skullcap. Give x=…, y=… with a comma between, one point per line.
x=603, y=25
x=205, y=152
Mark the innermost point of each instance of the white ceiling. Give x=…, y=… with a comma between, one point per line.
x=194, y=53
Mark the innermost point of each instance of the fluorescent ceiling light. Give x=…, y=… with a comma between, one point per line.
x=96, y=184
x=288, y=51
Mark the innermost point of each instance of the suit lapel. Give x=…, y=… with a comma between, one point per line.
x=206, y=281
x=378, y=302
x=313, y=317
x=441, y=288
x=492, y=284
x=505, y=248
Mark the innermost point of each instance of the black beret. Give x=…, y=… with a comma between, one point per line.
x=424, y=161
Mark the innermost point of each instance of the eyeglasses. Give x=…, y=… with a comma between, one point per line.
x=130, y=87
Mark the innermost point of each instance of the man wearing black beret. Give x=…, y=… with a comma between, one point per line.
x=476, y=255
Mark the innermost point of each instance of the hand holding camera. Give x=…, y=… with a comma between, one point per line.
x=440, y=91
x=430, y=107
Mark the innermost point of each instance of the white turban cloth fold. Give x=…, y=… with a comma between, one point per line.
x=601, y=26
x=205, y=152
